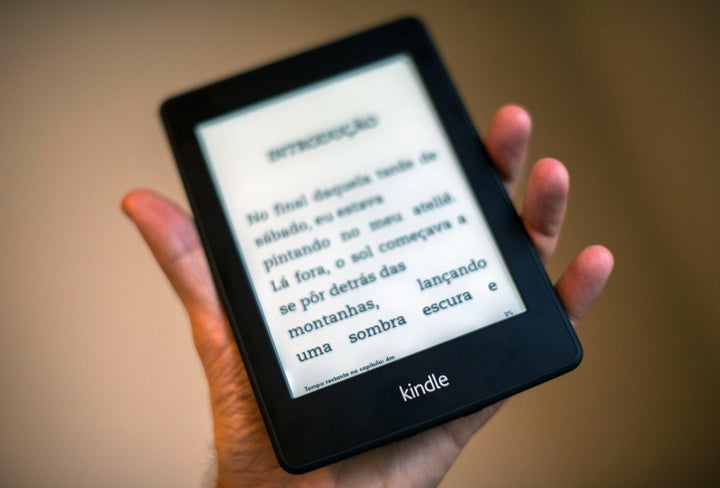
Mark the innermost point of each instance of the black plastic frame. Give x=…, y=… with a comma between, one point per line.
x=366, y=411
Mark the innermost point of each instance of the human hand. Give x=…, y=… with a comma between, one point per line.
x=244, y=453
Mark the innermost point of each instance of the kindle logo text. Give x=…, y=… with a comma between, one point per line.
x=431, y=385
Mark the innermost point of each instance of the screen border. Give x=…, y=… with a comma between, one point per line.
x=340, y=420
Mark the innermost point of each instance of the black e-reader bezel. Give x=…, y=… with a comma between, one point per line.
x=366, y=411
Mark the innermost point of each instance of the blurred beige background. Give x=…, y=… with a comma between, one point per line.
x=99, y=383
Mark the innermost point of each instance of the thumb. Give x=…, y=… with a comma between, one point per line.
x=173, y=239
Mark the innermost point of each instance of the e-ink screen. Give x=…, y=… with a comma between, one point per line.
x=362, y=238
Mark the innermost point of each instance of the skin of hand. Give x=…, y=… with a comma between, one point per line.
x=244, y=453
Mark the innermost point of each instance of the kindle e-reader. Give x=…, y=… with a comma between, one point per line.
x=373, y=269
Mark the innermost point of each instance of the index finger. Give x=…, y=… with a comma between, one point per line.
x=507, y=142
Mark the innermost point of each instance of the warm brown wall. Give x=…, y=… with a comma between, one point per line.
x=98, y=379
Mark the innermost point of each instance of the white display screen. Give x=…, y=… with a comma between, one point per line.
x=362, y=238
